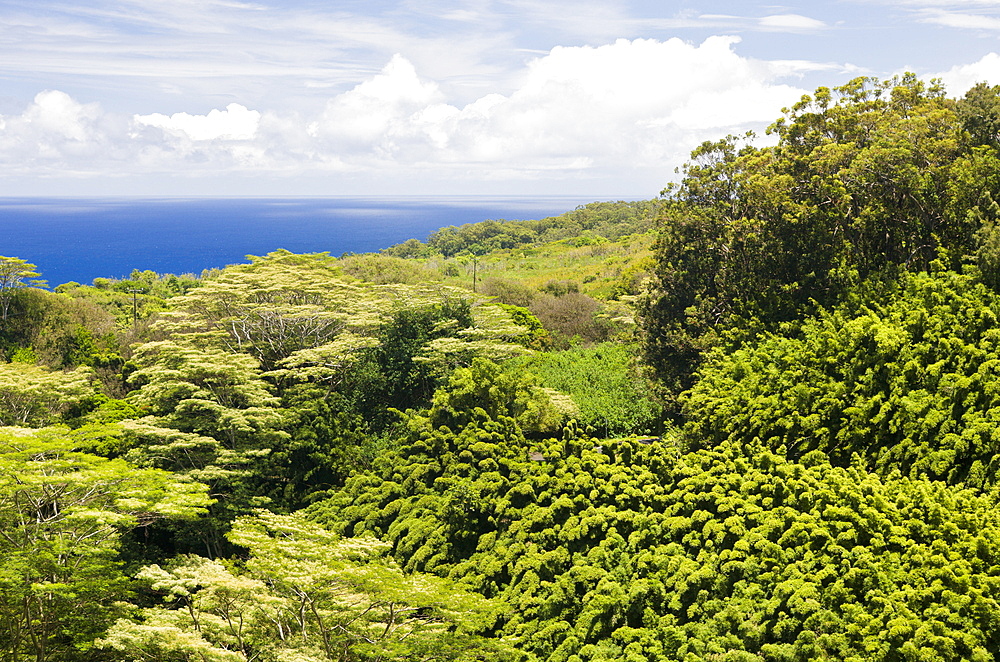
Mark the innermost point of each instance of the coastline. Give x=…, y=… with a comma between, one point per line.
x=82, y=238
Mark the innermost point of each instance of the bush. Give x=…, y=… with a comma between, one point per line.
x=604, y=382
x=911, y=383
x=383, y=269
x=571, y=318
x=509, y=292
x=559, y=288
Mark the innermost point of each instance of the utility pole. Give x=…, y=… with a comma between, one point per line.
x=135, y=309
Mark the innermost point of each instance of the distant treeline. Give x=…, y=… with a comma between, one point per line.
x=587, y=223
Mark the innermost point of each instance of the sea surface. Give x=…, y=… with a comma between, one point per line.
x=79, y=239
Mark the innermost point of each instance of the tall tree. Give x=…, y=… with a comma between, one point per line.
x=979, y=111
x=13, y=273
x=32, y=396
x=304, y=594
x=867, y=179
x=61, y=516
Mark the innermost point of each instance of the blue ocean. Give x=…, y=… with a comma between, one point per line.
x=79, y=239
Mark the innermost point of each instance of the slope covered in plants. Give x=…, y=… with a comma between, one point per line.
x=450, y=451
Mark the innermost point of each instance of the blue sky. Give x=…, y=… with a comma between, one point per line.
x=302, y=97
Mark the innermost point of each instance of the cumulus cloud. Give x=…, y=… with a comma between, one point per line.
x=236, y=122
x=372, y=112
x=56, y=131
x=959, y=79
x=634, y=100
x=218, y=140
x=630, y=103
x=634, y=106
x=58, y=116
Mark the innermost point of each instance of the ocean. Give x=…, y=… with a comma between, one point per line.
x=79, y=239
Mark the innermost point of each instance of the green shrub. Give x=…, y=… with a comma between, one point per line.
x=908, y=383
x=605, y=383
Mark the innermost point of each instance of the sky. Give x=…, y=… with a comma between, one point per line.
x=598, y=98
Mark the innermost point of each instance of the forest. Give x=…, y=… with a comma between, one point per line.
x=756, y=418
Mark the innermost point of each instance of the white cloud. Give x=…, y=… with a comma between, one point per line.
x=944, y=3
x=55, y=114
x=630, y=104
x=371, y=111
x=236, y=122
x=135, y=49
x=56, y=131
x=953, y=19
x=979, y=15
x=960, y=78
x=604, y=100
x=630, y=110
x=791, y=22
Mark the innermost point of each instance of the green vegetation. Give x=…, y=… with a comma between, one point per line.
x=866, y=180
x=765, y=430
x=906, y=384
x=587, y=225
x=61, y=516
x=13, y=273
x=329, y=598
x=628, y=551
x=604, y=383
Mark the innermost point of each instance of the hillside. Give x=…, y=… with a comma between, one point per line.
x=753, y=420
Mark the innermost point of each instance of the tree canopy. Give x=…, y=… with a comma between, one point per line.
x=62, y=514
x=14, y=272
x=865, y=180
x=303, y=594
x=906, y=382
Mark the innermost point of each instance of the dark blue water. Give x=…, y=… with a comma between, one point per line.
x=80, y=239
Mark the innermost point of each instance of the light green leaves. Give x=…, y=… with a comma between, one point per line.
x=305, y=594
x=734, y=552
x=908, y=384
x=33, y=396
x=605, y=383
x=13, y=273
x=867, y=180
x=61, y=515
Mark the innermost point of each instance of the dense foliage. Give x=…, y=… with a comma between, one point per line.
x=611, y=397
x=303, y=594
x=866, y=179
x=909, y=383
x=621, y=550
x=62, y=512
x=585, y=225
x=440, y=452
